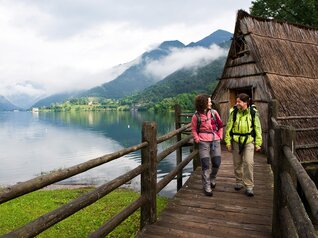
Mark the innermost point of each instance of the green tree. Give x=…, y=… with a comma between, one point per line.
x=303, y=12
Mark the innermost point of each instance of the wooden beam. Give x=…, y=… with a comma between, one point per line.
x=308, y=146
x=296, y=208
x=307, y=185
x=307, y=129
x=42, y=223
x=297, y=117
x=22, y=188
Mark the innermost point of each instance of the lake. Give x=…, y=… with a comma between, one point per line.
x=35, y=143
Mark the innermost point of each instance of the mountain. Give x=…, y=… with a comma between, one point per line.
x=217, y=37
x=201, y=79
x=6, y=105
x=134, y=78
x=56, y=98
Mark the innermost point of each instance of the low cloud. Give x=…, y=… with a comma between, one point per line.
x=184, y=58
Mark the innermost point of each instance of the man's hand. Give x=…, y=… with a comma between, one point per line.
x=257, y=149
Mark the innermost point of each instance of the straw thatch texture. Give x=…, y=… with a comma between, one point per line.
x=296, y=95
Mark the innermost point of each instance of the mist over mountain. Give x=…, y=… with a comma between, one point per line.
x=169, y=58
x=134, y=78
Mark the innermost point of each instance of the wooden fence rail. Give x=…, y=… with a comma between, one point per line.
x=149, y=186
x=290, y=218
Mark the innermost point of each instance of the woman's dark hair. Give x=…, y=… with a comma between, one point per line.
x=245, y=98
x=201, y=102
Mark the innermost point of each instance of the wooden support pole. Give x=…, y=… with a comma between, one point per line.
x=287, y=224
x=288, y=135
x=196, y=160
x=177, y=109
x=149, y=176
x=272, y=113
x=276, y=167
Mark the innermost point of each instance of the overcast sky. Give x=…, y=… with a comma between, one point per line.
x=47, y=46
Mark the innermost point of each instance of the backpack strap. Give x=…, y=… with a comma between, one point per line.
x=253, y=112
x=198, y=121
x=252, y=133
x=215, y=120
x=234, y=114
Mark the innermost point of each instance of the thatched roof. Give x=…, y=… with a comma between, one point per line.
x=285, y=55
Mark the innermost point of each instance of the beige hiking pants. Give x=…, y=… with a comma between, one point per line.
x=243, y=164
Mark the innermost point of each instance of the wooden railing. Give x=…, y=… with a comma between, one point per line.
x=290, y=218
x=149, y=185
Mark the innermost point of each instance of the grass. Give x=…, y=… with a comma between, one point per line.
x=16, y=213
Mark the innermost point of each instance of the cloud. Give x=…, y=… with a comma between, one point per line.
x=184, y=58
x=66, y=44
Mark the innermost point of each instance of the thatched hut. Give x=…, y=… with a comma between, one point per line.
x=268, y=60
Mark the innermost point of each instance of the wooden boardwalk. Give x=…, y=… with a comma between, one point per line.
x=228, y=213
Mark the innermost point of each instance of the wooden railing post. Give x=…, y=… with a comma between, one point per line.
x=272, y=113
x=288, y=139
x=149, y=176
x=196, y=160
x=276, y=167
x=284, y=135
x=177, y=109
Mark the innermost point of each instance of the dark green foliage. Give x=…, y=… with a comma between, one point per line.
x=303, y=12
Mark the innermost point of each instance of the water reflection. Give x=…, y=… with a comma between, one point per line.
x=31, y=143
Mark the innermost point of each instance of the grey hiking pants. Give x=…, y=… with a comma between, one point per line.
x=210, y=157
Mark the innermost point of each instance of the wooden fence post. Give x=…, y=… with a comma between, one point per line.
x=276, y=166
x=272, y=112
x=288, y=139
x=196, y=161
x=177, y=109
x=149, y=176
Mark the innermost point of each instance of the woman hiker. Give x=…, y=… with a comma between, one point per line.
x=243, y=134
x=207, y=130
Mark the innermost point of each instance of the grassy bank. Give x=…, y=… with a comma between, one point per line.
x=20, y=211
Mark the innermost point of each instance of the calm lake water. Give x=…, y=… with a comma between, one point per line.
x=33, y=143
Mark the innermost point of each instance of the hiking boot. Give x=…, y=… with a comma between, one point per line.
x=213, y=183
x=249, y=192
x=208, y=192
x=238, y=186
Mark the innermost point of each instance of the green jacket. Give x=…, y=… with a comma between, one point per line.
x=243, y=124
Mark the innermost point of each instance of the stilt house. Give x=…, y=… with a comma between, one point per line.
x=274, y=60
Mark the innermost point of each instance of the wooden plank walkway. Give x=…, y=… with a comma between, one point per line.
x=228, y=213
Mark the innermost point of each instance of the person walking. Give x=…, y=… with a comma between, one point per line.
x=207, y=130
x=243, y=136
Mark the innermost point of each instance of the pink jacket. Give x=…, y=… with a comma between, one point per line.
x=207, y=127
